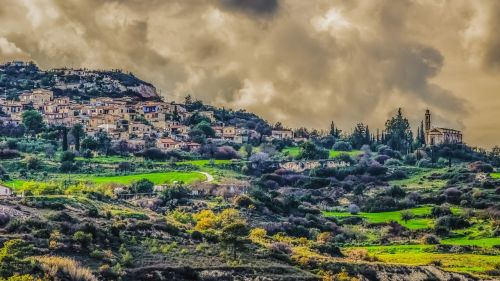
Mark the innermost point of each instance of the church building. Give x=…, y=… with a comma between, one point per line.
x=437, y=136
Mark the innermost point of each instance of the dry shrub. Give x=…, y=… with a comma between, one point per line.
x=280, y=247
x=341, y=276
x=361, y=255
x=436, y=263
x=57, y=266
x=430, y=239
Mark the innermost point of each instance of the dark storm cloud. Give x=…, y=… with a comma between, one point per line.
x=492, y=49
x=258, y=7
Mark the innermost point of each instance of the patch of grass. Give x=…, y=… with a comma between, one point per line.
x=495, y=175
x=295, y=151
x=292, y=151
x=13, y=184
x=334, y=153
x=128, y=214
x=420, y=220
x=418, y=178
x=424, y=254
x=480, y=242
x=156, y=178
x=384, y=217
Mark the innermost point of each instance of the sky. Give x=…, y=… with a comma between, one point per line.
x=303, y=63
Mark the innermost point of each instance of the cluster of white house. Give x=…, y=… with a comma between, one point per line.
x=124, y=119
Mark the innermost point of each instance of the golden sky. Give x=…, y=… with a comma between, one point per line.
x=303, y=63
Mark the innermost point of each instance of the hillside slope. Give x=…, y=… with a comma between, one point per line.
x=79, y=84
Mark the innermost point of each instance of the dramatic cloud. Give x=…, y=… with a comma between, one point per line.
x=253, y=6
x=303, y=63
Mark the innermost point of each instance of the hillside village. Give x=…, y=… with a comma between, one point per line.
x=108, y=181
x=127, y=121
x=136, y=123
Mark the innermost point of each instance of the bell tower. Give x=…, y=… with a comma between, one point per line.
x=427, y=126
x=427, y=121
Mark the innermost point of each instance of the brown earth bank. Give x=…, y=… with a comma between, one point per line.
x=364, y=272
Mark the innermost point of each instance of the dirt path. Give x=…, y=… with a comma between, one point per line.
x=210, y=178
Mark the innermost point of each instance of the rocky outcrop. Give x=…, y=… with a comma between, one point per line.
x=145, y=91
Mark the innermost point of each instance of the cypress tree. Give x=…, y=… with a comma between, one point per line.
x=65, y=139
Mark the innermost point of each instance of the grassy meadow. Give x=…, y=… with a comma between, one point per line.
x=420, y=220
x=295, y=151
x=418, y=178
x=427, y=254
x=156, y=178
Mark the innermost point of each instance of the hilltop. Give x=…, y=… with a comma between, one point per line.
x=79, y=84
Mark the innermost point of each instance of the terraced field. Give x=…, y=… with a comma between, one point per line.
x=420, y=220
x=426, y=254
x=488, y=242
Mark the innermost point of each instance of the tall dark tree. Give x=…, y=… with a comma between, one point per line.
x=64, y=132
x=368, y=139
x=398, y=132
x=78, y=133
x=175, y=114
x=301, y=132
x=223, y=115
x=188, y=100
x=422, y=133
x=335, y=132
x=33, y=121
x=103, y=142
x=264, y=130
x=358, y=136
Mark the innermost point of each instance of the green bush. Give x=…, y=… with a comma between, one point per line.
x=82, y=238
x=13, y=257
x=342, y=146
x=142, y=186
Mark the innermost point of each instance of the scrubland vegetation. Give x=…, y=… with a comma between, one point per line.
x=388, y=209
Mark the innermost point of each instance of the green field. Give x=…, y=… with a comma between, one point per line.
x=14, y=184
x=156, y=178
x=385, y=217
x=417, y=179
x=424, y=254
x=495, y=175
x=419, y=222
x=295, y=151
x=480, y=242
